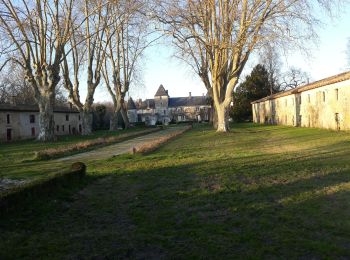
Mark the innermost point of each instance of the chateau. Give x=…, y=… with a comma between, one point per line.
x=164, y=109
x=22, y=121
x=322, y=104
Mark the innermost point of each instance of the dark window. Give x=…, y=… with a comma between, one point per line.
x=57, y=128
x=324, y=96
x=33, y=131
x=337, y=94
x=67, y=117
x=9, y=134
x=164, y=112
x=8, y=118
x=300, y=100
x=63, y=128
x=309, y=97
x=32, y=118
x=79, y=117
x=80, y=129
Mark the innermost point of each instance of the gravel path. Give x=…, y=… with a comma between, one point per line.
x=119, y=148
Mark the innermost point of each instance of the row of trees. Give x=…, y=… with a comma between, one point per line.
x=79, y=42
x=74, y=43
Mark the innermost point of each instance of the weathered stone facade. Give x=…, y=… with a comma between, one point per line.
x=322, y=104
x=164, y=109
x=22, y=121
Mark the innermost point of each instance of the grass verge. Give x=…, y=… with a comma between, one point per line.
x=256, y=192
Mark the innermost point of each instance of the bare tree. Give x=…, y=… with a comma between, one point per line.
x=293, y=78
x=86, y=53
x=231, y=30
x=129, y=36
x=34, y=35
x=14, y=89
x=269, y=57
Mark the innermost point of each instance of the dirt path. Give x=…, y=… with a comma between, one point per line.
x=119, y=148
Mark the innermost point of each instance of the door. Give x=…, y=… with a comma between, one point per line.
x=9, y=134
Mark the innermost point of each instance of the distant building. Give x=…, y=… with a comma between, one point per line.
x=22, y=121
x=322, y=104
x=164, y=109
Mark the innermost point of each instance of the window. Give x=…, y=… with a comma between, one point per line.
x=324, y=96
x=32, y=119
x=63, y=128
x=309, y=97
x=33, y=131
x=57, y=128
x=8, y=118
x=337, y=94
x=67, y=117
x=164, y=112
x=79, y=117
x=300, y=100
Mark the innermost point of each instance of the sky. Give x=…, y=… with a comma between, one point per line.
x=327, y=58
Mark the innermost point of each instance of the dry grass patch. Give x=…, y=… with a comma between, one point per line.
x=150, y=147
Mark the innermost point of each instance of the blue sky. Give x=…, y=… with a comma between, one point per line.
x=159, y=67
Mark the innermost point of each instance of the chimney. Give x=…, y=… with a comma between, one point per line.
x=189, y=94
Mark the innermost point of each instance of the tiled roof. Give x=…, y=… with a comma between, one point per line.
x=188, y=101
x=317, y=84
x=34, y=108
x=161, y=91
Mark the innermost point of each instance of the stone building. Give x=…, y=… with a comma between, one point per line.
x=165, y=109
x=322, y=104
x=22, y=121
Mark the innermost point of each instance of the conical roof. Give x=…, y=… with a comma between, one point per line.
x=131, y=104
x=161, y=91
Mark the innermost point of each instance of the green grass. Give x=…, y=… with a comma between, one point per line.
x=17, y=158
x=257, y=192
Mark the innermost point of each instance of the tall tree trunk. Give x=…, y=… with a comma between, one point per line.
x=125, y=117
x=113, y=122
x=213, y=117
x=222, y=117
x=46, y=117
x=86, y=120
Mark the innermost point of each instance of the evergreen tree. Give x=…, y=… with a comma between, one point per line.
x=255, y=86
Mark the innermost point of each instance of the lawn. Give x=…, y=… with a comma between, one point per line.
x=257, y=192
x=16, y=158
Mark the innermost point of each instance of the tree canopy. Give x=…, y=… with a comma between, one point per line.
x=255, y=86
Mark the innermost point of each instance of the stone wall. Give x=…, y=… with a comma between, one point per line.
x=25, y=125
x=324, y=106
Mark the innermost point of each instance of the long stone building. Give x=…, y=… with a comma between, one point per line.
x=164, y=109
x=321, y=104
x=22, y=121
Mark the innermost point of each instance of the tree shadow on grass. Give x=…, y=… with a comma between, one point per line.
x=222, y=209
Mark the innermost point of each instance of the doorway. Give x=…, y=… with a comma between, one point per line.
x=9, y=134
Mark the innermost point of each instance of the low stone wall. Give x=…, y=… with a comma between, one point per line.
x=11, y=196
